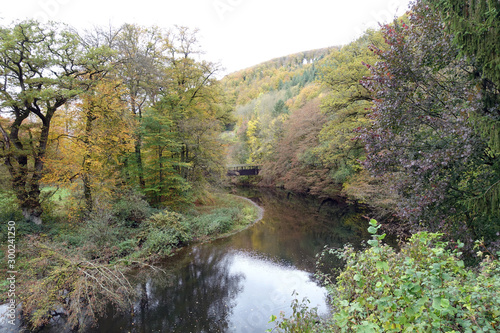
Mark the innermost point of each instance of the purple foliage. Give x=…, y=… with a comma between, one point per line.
x=422, y=134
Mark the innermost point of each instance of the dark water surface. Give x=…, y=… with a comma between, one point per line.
x=235, y=284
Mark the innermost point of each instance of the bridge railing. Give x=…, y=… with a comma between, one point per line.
x=243, y=169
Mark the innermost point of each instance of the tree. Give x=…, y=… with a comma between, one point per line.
x=42, y=68
x=279, y=108
x=292, y=163
x=422, y=133
x=192, y=99
x=90, y=142
x=164, y=184
x=475, y=26
x=140, y=54
x=346, y=106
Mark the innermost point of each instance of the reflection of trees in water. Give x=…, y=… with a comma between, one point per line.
x=294, y=221
x=198, y=297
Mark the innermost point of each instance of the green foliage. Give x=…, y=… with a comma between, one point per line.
x=219, y=221
x=476, y=28
x=164, y=183
x=279, y=108
x=302, y=320
x=425, y=287
x=165, y=231
x=9, y=209
x=346, y=106
x=131, y=209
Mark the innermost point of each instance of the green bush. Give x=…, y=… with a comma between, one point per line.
x=221, y=220
x=9, y=210
x=303, y=319
x=425, y=287
x=131, y=209
x=165, y=231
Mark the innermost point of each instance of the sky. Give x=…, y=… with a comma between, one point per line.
x=235, y=33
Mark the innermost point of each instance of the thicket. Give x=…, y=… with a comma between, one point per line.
x=423, y=287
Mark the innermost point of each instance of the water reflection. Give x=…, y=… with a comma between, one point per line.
x=199, y=296
x=268, y=290
x=235, y=284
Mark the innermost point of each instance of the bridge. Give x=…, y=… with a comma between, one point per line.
x=243, y=170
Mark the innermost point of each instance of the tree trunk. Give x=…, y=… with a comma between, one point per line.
x=26, y=186
x=138, y=158
x=27, y=189
x=136, y=110
x=160, y=177
x=87, y=190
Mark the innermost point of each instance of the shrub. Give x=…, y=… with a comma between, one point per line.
x=165, y=231
x=423, y=288
x=221, y=220
x=58, y=282
x=9, y=210
x=303, y=319
x=131, y=209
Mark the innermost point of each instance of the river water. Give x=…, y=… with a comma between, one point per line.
x=235, y=284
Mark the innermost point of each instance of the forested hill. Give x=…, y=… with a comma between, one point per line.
x=277, y=74
x=283, y=109
x=264, y=96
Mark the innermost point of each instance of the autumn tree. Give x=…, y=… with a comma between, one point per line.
x=139, y=62
x=90, y=141
x=42, y=68
x=191, y=99
x=346, y=105
x=293, y=164
x=423, y=133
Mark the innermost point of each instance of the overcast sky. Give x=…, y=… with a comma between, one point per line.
x=236, y=33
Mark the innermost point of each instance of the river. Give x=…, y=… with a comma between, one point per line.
x=235, y=284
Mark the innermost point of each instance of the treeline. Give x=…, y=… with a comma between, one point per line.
x=404, y=119
x=108, y=112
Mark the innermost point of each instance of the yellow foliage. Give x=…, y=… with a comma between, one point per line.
x=89, y=138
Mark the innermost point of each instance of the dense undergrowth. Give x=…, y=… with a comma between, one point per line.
x=76, y=267
x=424, y=287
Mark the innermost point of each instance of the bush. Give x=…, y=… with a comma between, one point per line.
x=219, y=221
x=9, y=210
x=58, y=282
x=423, y=288
x=303, y=319
x=131, y=209
x=165, y=231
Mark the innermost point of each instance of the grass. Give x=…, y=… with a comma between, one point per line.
x=227, y=215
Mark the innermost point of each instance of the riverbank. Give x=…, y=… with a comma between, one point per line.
x=260, y=214
x=85, y=263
